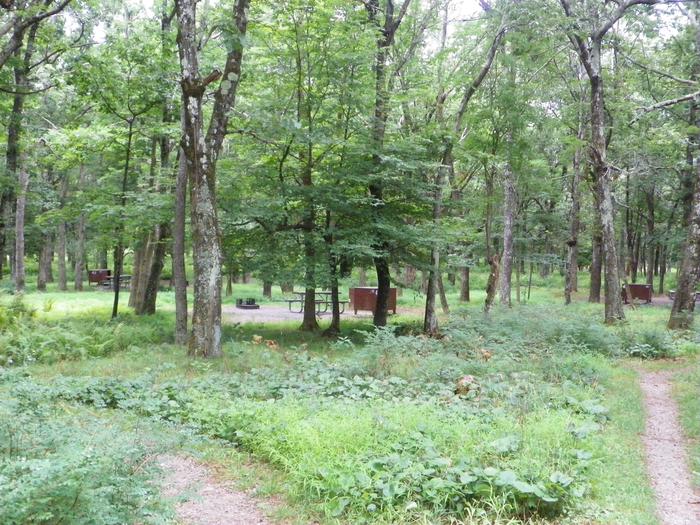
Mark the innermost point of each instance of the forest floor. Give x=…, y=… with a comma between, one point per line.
x=568, y=422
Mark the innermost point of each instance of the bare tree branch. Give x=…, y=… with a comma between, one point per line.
x=665, y=104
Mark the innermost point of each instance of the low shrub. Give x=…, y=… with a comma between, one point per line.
x=56, y=468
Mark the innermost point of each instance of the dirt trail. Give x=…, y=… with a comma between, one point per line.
x=201, y=500
x=667, y=460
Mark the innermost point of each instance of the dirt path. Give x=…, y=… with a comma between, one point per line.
x=201, y=500
x=667, y=460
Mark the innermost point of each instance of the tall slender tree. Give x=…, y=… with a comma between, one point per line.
x=201, y=152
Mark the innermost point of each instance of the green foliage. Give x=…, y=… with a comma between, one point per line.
x=26, y=339
x=57, y=467
x=380, y=435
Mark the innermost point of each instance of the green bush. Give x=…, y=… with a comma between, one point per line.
x=56, y=468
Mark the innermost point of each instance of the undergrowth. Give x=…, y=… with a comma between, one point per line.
x=58, y=467
x=503, y=420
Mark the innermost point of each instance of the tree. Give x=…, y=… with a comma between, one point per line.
x=201, y=153
x=588, y=43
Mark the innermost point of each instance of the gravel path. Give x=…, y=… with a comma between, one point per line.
x=667, y=460
x=201, y=500
x=268, y=313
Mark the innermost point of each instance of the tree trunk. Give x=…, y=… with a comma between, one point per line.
x=205, y=339
x=61, y=256
x=509, y=206
x=596, y=266
x=443, y=296
x=267, y=289
x=464, y=285
x=15, y=162
x=309, y=322
x=684, y=301
x=362, y=277
x=381, y=311
x=229, y=284
x=488, y=220
x=19, y=225
x=492, y=283
x=651, y=243
x=409, y=273
x=602, y=178
x=430, y=320
x=119, y=247
x=637, y=237
x=386, y=31
x=574, y=221
x=517, y=283
x=178, y=252
x=140, y=260
x=45, y=259
x=157, y=246
x=662, y=268
x=79, y=252
x=153, y=272
x=334, y=329
x=201, y=153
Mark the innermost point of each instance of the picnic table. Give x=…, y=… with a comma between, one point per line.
x=672, y=296
x=324, y=300
x=108, y=282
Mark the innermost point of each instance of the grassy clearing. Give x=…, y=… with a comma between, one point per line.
x=369, y=428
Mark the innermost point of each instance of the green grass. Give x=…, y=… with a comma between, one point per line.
x=299, y=420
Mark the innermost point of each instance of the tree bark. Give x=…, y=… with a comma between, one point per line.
x=443, y=296
x=15, y=161
x=574, y=220
x=488, y=219
x=45, y=259
x=201, y=153
x=267, y=289
x=509, y=206
x=430, y=319
x=79, y=253
x=596, y=266
x=309, y=322
x=119, y=247
x=684, y=301
x=464, y=285
x=178, y=252
x=651, y=242
x=334, y=329
x=492, y=283
x=602, y=175
x=61, y=256
x=140, y=258
x=589, y=52
x=19, y=225
x=386, y=31
x=153, y=272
